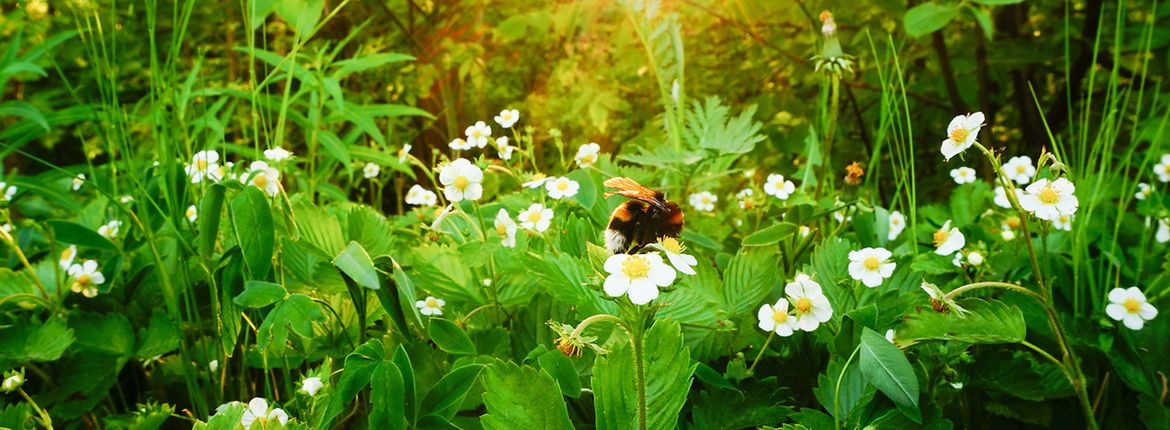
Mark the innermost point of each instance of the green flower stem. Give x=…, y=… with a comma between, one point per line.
x=597, y=318
x=992, y=284
x=1042, y=353
x=837, y=388
x=473, y=311
x=46, y=420
x=1072, y=367
x=752, y=369
x=24, y=261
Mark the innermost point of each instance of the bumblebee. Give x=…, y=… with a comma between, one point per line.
x=642, y=220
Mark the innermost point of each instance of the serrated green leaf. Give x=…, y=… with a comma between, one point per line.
x=159, y=337
x=561, y=368
x=668, y=368
x=522, y=398
x=750, y=276
x=34, y=341
x=985, y=322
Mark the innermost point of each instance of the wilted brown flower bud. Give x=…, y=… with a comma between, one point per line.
x=853, y=174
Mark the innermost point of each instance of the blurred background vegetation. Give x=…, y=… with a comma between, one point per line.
x=1033, y=67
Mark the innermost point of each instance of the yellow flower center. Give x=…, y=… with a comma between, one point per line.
x=84, y=280
x=706, y=200
x=534, y=216
x=963, y=173
x=1048, y=195
x=871, y=263
x=201, y=164
x=190, y=212
x=1064, y=219
x=462, y=182
x=959, y=135
x=260, y=180
x=895, y=221
x=588, y=158
x=476, y=133
x=67, y=254
x=635, y=267
x=563, y=185
x=501, y=230
x=780, y=317
x=432, y=303
x=803, y=305
x=1132, y=306
x=1021, y=169
x=672, y=245
x=940, y=237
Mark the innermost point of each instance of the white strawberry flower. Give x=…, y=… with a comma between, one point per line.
x=1129, y=306
x=897, y=224
x=402, y=153
x=205, y=165
x=963, y=175
x=1048, y=200
x=1006, y=232
x=562, y=187
x=675, y=254
x=77, y=181
x=277, y=154
x=809, y=304
x=639, y=276
x=538, y=180
x=419, y=196
x=1162, y=169
x=478, y=134
x=958, y=260
x=975, y=258
x=778, y=187
x=804, y=231
x=703, y=201
x=12, y=382
x=86, y=278
x=890, y=336
x=1144, y=190
x=587, y=154
x=192, y=213
x=264, y=177
x=507, y=118
x=961, y=134
x=871, y=265
x=67, y=257
x=948, y=239
x=504, y=148
x=430, y=306
x=1063, y=222
x=1020, y=169
x=311, y=385
x=258, y=411
x=460, y=144
x=744, y=198
x=371, y=170
x=1163, y=233
x=506, y=228
x=536, y=217
x=776, y=319
x=461, y=180
x=110, y=229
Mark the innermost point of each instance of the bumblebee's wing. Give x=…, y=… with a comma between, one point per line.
x=631, y=189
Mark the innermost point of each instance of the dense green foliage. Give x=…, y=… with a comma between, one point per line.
x=326, y=214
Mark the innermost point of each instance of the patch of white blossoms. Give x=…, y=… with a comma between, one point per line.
x=703, y=201
x=536, y=217
x=1020, y=169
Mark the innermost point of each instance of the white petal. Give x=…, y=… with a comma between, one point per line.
x=616, y=284
x=1133, y=321
x=642, y=291
x=1147, y=311
x=1115, y=311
